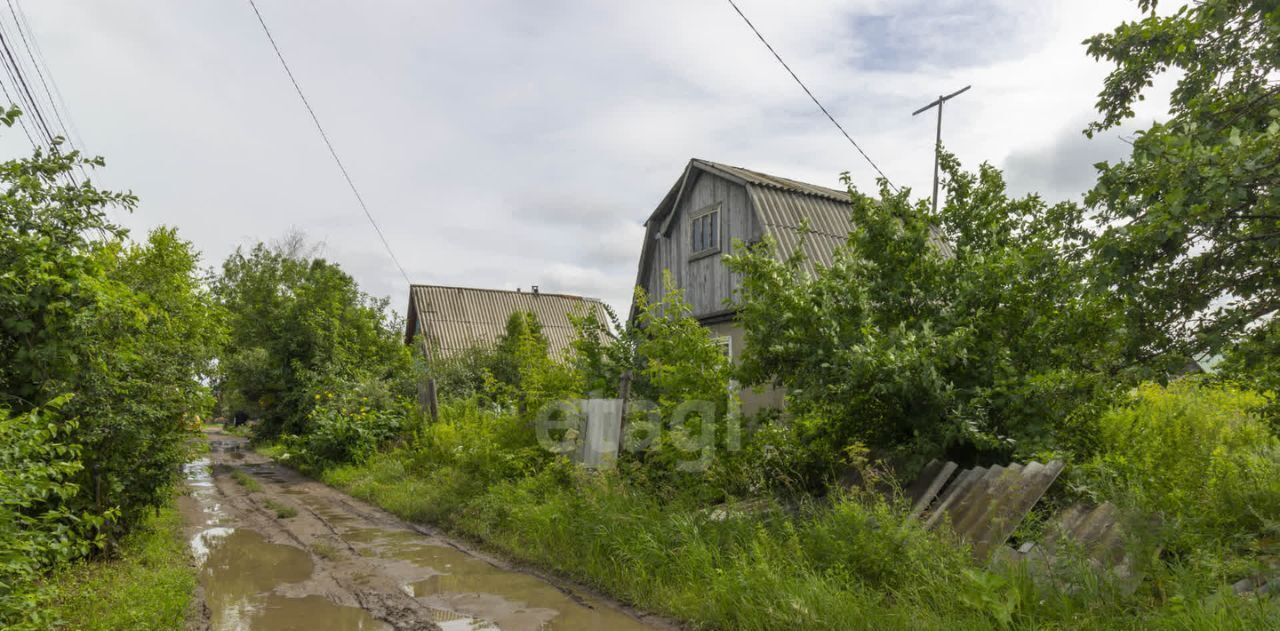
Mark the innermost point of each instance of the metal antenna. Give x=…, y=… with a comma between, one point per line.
x=937, y=146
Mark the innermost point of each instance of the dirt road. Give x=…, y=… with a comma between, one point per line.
x=278, y=551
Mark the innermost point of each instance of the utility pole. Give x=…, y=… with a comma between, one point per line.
x=937, y=145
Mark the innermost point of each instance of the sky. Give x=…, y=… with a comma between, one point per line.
x=505, y=143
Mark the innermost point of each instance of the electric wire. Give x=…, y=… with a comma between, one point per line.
x=22, y=87
x=25, y=88
x=324, y=136
x=74, y=133
x=62, y=127
x=811, y=96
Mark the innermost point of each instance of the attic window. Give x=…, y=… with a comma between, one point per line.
x=704, y=230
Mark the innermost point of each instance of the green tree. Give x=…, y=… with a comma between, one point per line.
x=603, y=351
x=145, y=387
x=299, y=327
x=523, y=371
x=1255, y=362
x=678, y=359
x=126, y=329
x=978, y=348
x=1192, y=219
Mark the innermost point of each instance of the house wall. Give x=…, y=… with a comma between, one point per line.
x=753, y=399
x=707, y=283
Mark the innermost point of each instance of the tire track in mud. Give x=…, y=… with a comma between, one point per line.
x=339, y=563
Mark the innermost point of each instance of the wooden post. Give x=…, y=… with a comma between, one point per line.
x=433, y=405
x=624, y=392
x=937, y=145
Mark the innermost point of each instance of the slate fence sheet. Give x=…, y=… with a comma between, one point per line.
x=983, y=505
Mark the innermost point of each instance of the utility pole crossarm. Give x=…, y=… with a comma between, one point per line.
x=941, y=99
x=937, y=147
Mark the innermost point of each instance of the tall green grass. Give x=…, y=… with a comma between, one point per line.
x=148, y=587
x=848, y=563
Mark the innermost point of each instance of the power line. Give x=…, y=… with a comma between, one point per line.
x=20, y=22
x=811, y=96
x=18, y=101
x=328, y=144
x=39, y=73
x=21, y=86
x=62, y=103
x=21, y=80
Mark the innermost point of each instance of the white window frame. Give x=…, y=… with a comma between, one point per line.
x=725, y=342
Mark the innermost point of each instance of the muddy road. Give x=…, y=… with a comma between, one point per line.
x=278, y=551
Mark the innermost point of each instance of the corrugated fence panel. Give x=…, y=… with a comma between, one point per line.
x=984, y=506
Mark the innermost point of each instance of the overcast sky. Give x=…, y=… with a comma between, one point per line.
x=511, y=143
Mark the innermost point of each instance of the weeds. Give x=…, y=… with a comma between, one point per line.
x=282, y=511
x=243, y=479
x=326, y=551
x=147, y=587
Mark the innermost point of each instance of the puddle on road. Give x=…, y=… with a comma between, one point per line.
x=240, y=568
x=240, y=571
x=309, y=613
x=470, y=593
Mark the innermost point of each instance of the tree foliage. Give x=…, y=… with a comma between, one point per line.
x=38, y=529
x=105, y=344
x=300, y=326
x=1192, y=218
x=125, y=328
x=678, y=359
x=971, y=332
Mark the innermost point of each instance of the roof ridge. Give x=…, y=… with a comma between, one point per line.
x=760, y=178
x=509, y=291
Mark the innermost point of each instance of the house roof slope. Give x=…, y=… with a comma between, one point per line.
x=458, y=319
x=799, y=216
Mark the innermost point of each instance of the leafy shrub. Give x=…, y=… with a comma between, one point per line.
x=126, y=326
x=481, y=442
x=344, y=428
x=1197, y=455
x=148, y=587
x=38, y=530
x=299, y=325
x=976, y=349
x=463, y=375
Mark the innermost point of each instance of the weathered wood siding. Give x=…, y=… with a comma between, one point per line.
x=707, y=283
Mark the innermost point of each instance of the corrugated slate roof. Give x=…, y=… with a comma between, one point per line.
x=457, y=319
x=783, y=206
x=773, y=181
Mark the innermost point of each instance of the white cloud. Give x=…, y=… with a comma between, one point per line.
x=504, y=143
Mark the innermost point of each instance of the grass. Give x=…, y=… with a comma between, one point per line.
x=326, y=551
x=147, y=588
x=246, y=480
x=841, y=562
x=283, y=511
x=271, y=450
x=852, y=564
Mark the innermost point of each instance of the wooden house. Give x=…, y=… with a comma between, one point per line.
x=709, y=207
